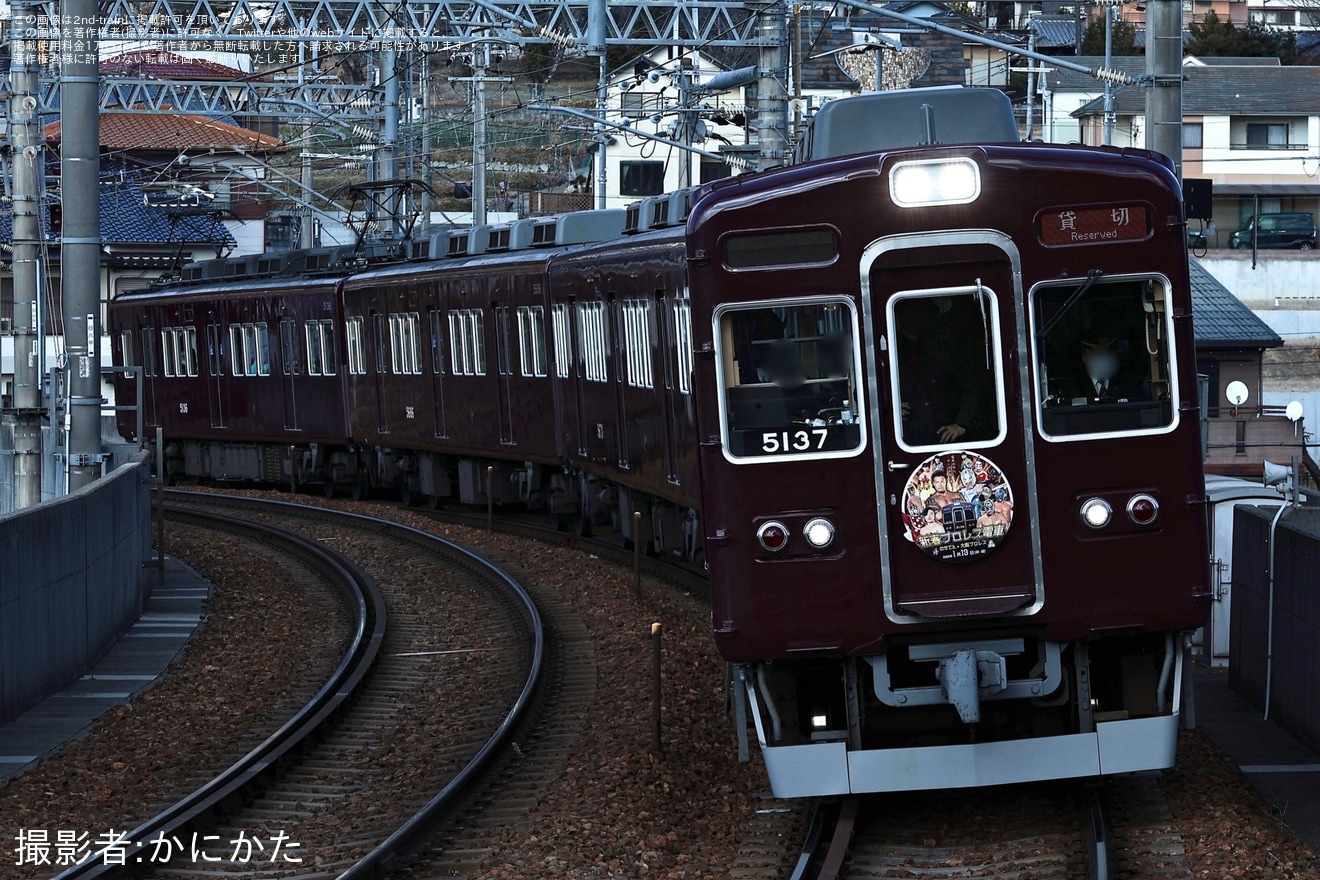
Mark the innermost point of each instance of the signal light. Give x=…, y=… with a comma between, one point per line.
x=56, y=218
x=773, y=536
x=1143, y=509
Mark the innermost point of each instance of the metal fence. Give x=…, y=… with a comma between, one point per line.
x=71, y=582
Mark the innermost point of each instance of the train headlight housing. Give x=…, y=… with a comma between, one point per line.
x=1096, y=513
x=819, y=533
x=928, y=182
x=772, y=535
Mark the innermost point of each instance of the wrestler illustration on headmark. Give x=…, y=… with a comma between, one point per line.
x=957, y=506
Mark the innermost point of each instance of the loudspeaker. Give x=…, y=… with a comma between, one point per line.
x=1198, y=197
x=1277, y=475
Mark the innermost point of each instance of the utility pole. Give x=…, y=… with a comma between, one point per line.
x=80, y=247
x=597, y=16
x=28, y=162
x=389, y=72
x=1109, y=63
x=307, y=228
x=1164, y=65
x=479, y=135
x=771, y=97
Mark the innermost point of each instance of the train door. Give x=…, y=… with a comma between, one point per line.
x=435, y=322
x=504, y=371
x=956, y=500
x=290, y=367
x=567, y=398
x=216, y=381
x=150, y=370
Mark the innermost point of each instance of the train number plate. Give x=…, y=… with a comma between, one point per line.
x=1093, y=225
x=794, y=439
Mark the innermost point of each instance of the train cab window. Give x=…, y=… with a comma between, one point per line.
x=945, y=379
x=790, y=379
x=1103, y=358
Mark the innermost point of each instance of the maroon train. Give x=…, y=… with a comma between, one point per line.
x=940, y=553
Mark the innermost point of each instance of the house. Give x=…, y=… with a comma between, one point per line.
x=1231, y=342
x=1249, y=128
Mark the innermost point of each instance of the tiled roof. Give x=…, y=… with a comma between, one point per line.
x=1220, y=320
x=125, y=219
x=1250, y=90
x=158, y=64
x=173, y=132
x=1054, y=31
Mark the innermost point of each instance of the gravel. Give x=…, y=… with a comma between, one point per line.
x=619, y=810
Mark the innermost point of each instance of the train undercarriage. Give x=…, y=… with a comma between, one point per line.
x=962, y=713
x=578, y=500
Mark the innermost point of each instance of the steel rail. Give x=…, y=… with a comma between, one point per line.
x=369, y=604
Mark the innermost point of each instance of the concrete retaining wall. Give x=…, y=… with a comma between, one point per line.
x=71, y=582
x=1295, y=678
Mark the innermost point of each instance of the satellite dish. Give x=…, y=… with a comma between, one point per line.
x=1237, y=393
x=1293, y=411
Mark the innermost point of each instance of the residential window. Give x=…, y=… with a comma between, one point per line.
x=591, y=341
x=531, y=340
x=1192, y=135
x=641, y=178
x=1267, y=135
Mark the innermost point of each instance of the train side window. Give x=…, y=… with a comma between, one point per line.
x=167, y=351
x=404, y=358
x=531, y=340
x=237, y=357
x=213, y=349
x=260, y=350
x=790, y=379
x=503, y=356
x=329, y=363
x=1103, y=359
x=289, y=346
x=474, y=322
x=126, y=348
x=357, y=358
x=637, y=341
x=683, y=339
x=190, y=350
x=312, y=330
x=437, y=338
x=563, y=341
x=946, y=368
x=591, y=342
x=378, y=340
x=396, y=344
x=149, y=351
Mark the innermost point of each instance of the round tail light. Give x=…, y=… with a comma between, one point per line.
x=1143, y=509
x=773, y=536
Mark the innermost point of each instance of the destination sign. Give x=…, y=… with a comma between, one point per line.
x=1094, y=225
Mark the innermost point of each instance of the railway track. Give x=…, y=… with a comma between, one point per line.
x=393, y=743
x=1119, y=827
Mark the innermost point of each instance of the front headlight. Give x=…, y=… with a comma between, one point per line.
x=927, y=182
x=819, y=533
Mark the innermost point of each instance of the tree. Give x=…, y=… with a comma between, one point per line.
x=1214, y=37
x=1123, y=42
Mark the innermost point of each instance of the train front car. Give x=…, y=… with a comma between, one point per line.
x=952, y=490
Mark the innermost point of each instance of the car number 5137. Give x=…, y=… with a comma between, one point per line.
x=793, y=441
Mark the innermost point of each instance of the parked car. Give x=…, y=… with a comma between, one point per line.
x=1278, y=231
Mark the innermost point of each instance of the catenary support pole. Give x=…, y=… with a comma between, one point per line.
x=27, y=160
x=80, y=248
